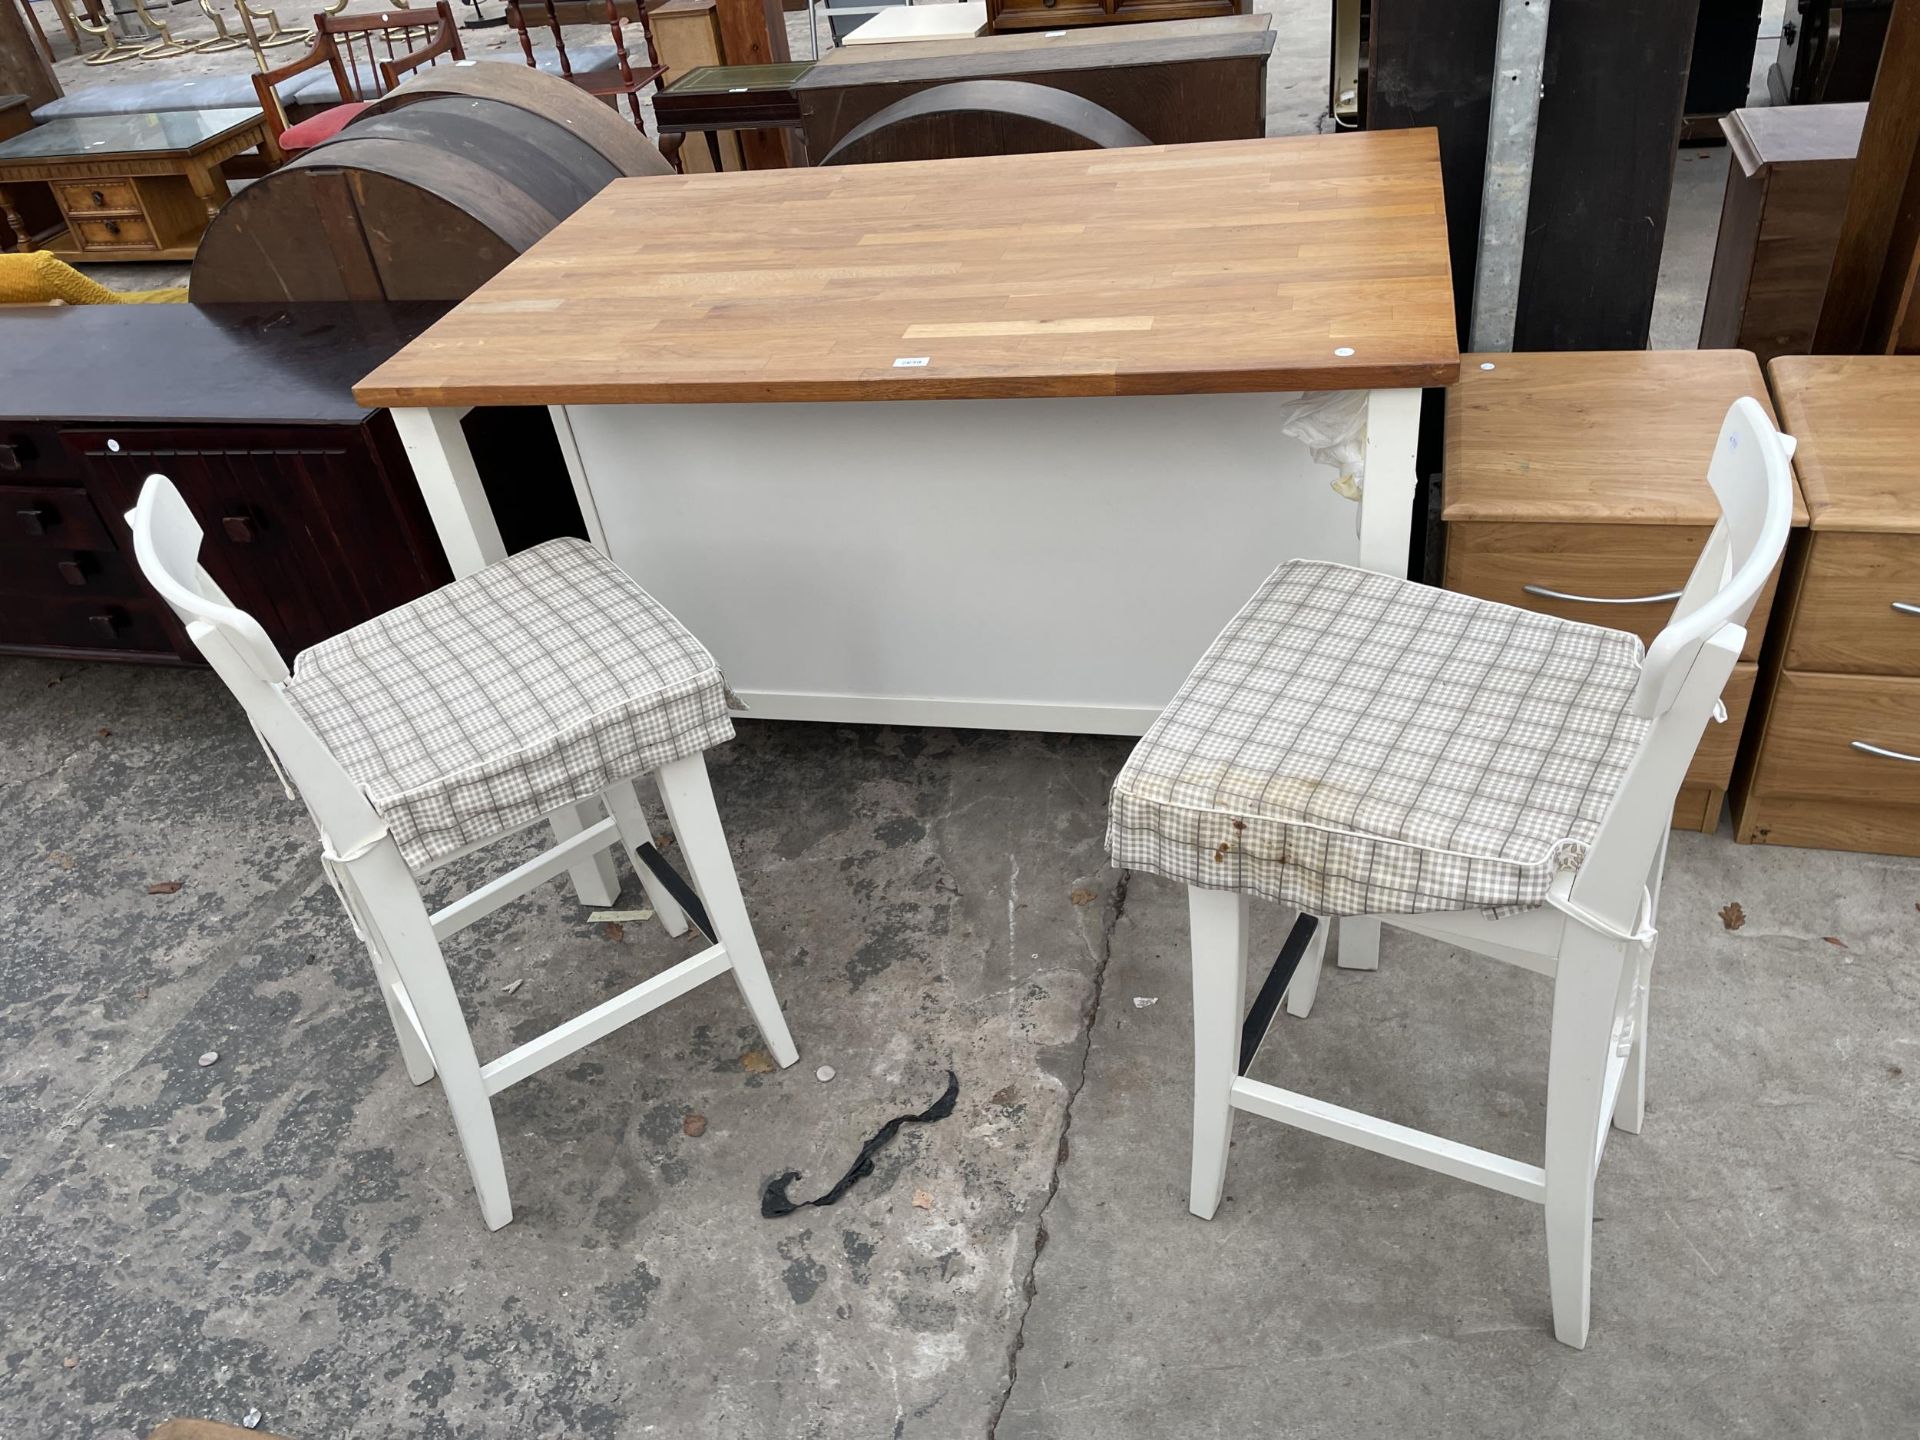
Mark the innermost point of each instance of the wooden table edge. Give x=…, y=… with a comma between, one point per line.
x=915, y=385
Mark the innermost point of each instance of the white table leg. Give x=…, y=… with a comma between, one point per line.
x=443, y=468
x=1386, y=501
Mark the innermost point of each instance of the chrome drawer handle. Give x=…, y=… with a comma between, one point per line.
x=1884, y=753
x=1906, y=607
x=1545, y=594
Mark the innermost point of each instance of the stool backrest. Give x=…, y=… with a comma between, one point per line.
x=1689, y=661
x=166, y=545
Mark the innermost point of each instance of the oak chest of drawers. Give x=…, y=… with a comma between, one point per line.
x=1576, y=485
x=1833, y=758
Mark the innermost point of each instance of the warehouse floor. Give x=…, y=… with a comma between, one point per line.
x=290, y=1227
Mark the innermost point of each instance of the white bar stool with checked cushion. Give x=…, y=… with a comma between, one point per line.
x=1363, y=747
x=509, y=697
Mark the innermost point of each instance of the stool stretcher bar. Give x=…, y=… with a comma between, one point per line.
x=1336, y=1122
x=561, y=1041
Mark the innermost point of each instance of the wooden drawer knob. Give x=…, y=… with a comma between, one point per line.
x=239, y=529
x=107, y=626
x=36, y=519
x=99, y=197
x=10, y=456
x=74, y=572
x=113, y=227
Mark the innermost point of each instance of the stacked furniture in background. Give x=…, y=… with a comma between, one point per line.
x=1175, y=82
x=357, y=75
x=427, y=193
x=1832, y=758
x=606, y=70
x=1779, y=225
x=1575, y=485
x=1003, y=15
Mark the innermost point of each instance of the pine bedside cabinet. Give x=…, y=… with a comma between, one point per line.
x=1576, y=485
x=1833, y=760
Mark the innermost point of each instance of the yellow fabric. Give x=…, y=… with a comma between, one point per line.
x=37, y=277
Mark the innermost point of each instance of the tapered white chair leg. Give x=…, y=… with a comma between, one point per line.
x=1359, y=943
x=688, y=796
x=595, y=881
x=1306, y=978
x=1586, y=994
x=1630, y=1109
x=624, y=805
x=1217, y=924
x=419, y=1063
x=405, y=934
x=414, y=1054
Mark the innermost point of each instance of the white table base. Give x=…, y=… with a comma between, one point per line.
x=1046, y=564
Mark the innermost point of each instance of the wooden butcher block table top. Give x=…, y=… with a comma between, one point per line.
x=1234, y=266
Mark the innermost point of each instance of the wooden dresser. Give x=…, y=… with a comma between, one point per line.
x=1576, y=485
x=312, y=518
x=1004, y=15
x=1833, y=759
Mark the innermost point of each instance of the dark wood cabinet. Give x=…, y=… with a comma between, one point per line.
x=312, y=518
x=310, y=529
x=1829, y=51
x=1787, y=184
x=1176, y=83
x=1005, y=15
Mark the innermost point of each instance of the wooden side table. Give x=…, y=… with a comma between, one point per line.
x=714, y=98
x=1576, y=485
x=131, y=187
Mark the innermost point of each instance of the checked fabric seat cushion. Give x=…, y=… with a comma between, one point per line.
x=1353, y=744
x=495, y=700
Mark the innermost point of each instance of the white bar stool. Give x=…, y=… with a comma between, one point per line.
x=1362, y=747
x=517, y=694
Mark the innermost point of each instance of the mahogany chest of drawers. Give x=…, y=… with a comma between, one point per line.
x=312, y=518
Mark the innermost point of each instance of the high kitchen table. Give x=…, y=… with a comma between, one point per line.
x=992, y=442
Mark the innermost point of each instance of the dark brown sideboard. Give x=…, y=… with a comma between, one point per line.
x=1009, y=15
x=312, y=518
x=1175, y=82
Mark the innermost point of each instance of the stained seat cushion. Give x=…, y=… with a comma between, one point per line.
x=324, y=126
x=526, y=686
x=1354, y=744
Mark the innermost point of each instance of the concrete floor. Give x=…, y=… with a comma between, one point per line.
x=291, y=1227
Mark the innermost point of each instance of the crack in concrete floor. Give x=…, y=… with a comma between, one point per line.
x=1029, y=1287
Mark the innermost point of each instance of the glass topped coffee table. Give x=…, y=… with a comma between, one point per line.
x=131, y=187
